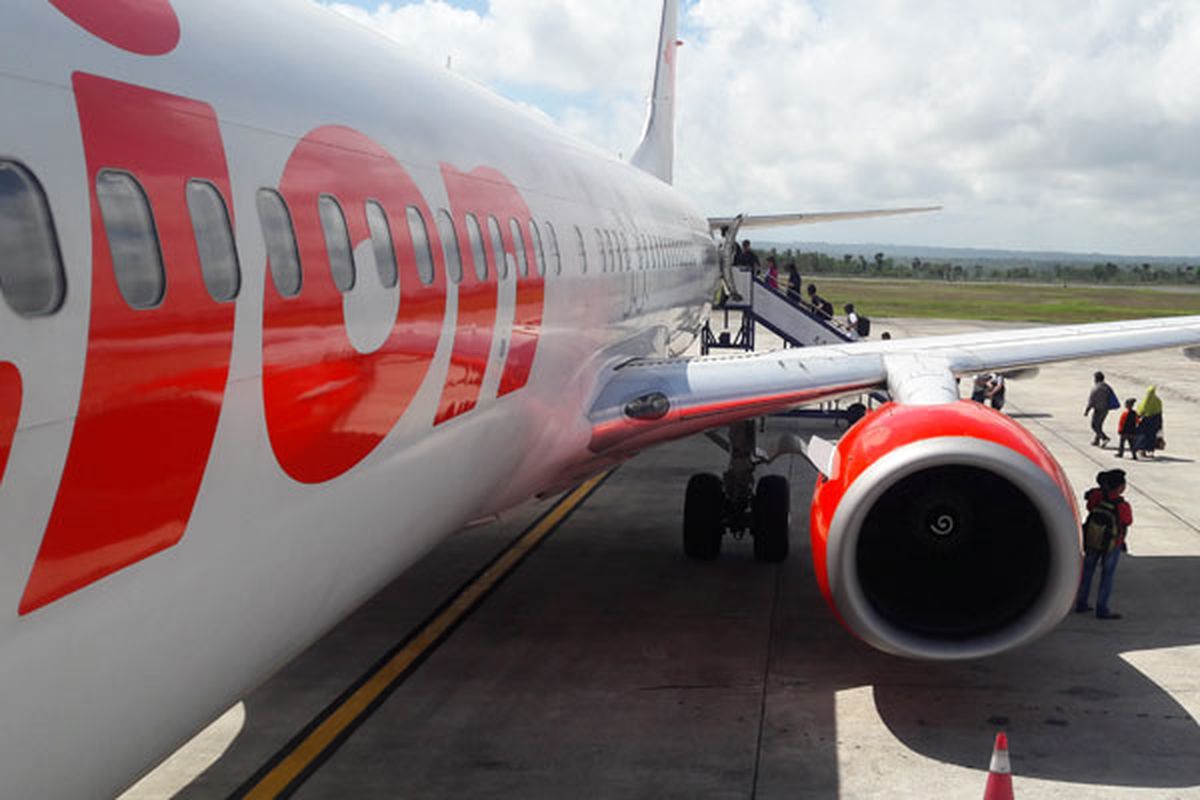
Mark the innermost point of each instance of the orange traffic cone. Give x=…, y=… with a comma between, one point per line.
x=999, y=782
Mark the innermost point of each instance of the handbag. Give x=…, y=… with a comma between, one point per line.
x=1113, y=402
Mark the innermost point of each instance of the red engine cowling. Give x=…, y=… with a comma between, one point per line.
x=945, y=532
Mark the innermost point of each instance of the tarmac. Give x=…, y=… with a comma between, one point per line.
x=608, y=665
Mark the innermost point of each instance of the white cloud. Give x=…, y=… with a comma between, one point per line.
x=1038, y=125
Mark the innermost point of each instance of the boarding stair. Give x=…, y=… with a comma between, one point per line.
x=797, y=323
x=758, y=303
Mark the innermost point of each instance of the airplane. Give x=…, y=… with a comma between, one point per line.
x=282, y=310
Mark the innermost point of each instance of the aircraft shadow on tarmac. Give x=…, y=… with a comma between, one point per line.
x=1073, y=708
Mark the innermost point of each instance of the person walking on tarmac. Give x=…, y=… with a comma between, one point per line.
x=1101, y=400
x=1127, y=429
x=1104, y=531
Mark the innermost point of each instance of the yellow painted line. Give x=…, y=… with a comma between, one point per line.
x=312, y=746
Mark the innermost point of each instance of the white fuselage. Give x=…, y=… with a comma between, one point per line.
x=122, y=662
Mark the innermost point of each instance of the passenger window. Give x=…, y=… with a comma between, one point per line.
x=603, y=250
x=555, y=253
x=519, y=246
x=337, y=242
x=582, y=250
x=280, y=238
x=538, y=253
x=31, y=273
x=214, y=240
x=449, y=237
x=132, y=240
x=382, y=245
x=498, y=248
x=478, y=252
x=420, y=238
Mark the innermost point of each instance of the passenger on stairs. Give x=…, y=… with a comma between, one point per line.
x=818, y=303
x=793, y=283
x=851, y=320
x=746, y=257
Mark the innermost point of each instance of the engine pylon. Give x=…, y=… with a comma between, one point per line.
x=999, y=782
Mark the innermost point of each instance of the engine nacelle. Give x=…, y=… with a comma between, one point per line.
x=945, y=532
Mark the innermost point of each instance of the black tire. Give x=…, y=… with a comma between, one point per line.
x=703, y=512
x=771, y=514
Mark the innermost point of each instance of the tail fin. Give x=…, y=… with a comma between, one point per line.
x=656, y=153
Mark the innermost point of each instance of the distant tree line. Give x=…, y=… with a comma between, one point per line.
x=884, y=266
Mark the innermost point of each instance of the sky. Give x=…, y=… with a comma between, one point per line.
x=1037, y=126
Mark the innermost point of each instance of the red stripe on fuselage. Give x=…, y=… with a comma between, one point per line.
x=145, y=27
x=328, y=406
x=10, y=410
x=484, y=193
x=154, y=378
x=477, y=300
x=527, y=316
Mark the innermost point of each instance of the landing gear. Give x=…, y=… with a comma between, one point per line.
x=703, y=517
x=770, y=516
x=734, y=504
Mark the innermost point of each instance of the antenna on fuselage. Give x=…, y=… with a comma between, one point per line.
x=656, y=152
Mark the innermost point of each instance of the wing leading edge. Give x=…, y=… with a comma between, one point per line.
x=645, y=402
x=747, y=221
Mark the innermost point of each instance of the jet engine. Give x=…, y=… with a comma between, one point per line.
x=945, y=532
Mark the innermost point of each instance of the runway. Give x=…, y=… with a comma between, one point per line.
x=607, y=665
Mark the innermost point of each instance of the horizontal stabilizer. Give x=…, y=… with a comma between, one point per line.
x=784, y=220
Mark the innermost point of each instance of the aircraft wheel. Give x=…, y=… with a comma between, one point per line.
x=771, y=512
x=703, y=509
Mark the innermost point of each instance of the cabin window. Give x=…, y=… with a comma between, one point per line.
x=337, y=242
x=280, y=238
x=538, y=253
x=382, y=245
x=519, y=247
x=478, y=251
x=214, y=240
x=555, y=253
x=132, y=240
x=31, y=272
x=602, y=249
x=449, y=238
x=420, y=239
x=582, y=245
x=498, y=248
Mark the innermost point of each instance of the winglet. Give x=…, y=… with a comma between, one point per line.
x=656, y=152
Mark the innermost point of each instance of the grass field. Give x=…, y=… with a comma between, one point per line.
x=1006, y=301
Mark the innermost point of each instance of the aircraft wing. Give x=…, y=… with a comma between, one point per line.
x=745, y=221
x=649, y=401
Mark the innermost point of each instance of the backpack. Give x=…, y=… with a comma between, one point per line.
x=1100, y=528
x=863, y=327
